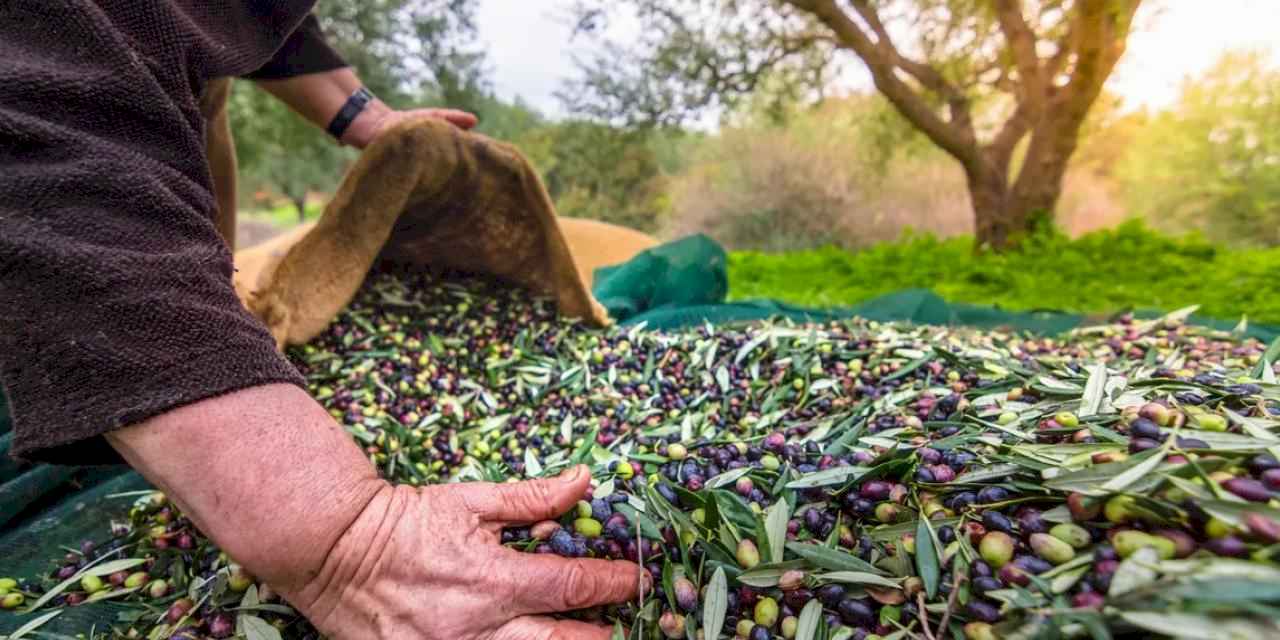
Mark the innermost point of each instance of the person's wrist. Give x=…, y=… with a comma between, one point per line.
x=291, y=560
x=365, y=126
x=319, y=590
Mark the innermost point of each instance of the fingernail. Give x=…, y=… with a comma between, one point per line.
x=573, y=473
x=646, y=582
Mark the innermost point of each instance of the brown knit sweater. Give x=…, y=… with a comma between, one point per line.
x=116, y=301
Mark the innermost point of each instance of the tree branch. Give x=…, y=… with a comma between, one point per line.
x=1000, y=150
x=1104, y=29
x=956, y=137
x=925, y=74
x=1022, y=48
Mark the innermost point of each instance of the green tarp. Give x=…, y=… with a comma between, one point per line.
x=684, y=282
x=677, y=284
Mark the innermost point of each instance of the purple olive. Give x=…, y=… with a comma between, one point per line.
x=1263, y=527
x=797, y=598
x=996, y=521
x=1248, y=488
x=221, y=625
x=1144, y=428
x=988, y=495
x=1137, y=445
x=856, y=612
x=1263, y=462
x=1088, y=600
x=774, y=442
x=1030, y=521
x=831, y=595
x=982, y=611
x=1229, y=546
x=875, y=490
x=1013, y=574
x=813, y=520
x=562, y=543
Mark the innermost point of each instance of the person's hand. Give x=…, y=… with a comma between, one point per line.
x=427, y=563
x=277, y=485
x=378, y=117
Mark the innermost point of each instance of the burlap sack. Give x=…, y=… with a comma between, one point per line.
x=428, y=193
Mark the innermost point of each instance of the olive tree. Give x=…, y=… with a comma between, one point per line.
x=981, y=79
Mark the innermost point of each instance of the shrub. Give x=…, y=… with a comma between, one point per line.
x=1100, y=272
x=849, y=172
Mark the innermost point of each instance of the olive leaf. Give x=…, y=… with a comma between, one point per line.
x=986, y=473
x=1134, y=572
x=727, y=478
x=716, y=605
x=807, y=627
x=111, y=594
x=532, y=468
x=831, y=559
x=34, y=624
x=927, y=558
x=588, y=442
x=668, y=584
x=1272, y=355
x=1233, y=513
x=1226, y=590
x=106, y=568
x=1134, y=473
x=255, y=628
x=1089, y=480
x=1201, y=626
x=1094, y=391
x=827, y=477
x=858, y=577
x=1067, y=579
x=776, y=529
x=1255, y=427
x=765, y=576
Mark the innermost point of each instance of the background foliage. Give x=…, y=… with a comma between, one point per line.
x=1099, y=272
x=862, y=200
x=1213, y=161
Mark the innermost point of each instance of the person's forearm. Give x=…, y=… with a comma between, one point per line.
x=264, y=472
x=319, y=96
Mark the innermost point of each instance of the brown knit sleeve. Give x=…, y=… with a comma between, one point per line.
x=305, y=51
x=116, y=302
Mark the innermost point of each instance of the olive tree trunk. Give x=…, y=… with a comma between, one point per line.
x=1051, y=96
x=300, y=203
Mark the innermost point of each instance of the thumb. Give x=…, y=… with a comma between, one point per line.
x=531, y=500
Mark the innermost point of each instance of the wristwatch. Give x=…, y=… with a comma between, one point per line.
x=350, y=109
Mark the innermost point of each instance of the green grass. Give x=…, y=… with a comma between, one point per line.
x=1102, y=272
x=283, y=216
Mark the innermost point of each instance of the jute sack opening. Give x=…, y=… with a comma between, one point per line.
x=426, y=193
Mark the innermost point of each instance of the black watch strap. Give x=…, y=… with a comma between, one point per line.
x=352, y=108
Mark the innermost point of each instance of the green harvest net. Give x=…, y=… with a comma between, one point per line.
x=678, y=284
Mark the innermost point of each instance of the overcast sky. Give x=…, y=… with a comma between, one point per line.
x=530, y=53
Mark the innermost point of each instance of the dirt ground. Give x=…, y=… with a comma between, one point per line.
x=253, y=232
